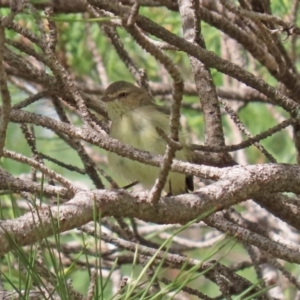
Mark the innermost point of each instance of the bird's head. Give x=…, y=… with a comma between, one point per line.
x=122, y=97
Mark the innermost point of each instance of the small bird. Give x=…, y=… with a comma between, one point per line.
x=135, y=117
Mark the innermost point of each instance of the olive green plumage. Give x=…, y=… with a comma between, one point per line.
x=135, y=118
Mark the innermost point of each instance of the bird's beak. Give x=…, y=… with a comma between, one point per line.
x=106, y=99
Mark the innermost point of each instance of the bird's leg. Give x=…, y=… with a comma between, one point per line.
x=128, y=186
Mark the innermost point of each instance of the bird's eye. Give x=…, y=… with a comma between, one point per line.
x=123, y=95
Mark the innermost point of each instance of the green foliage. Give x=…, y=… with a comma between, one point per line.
x=74, y=49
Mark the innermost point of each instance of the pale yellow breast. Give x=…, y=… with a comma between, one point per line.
x=138, y=130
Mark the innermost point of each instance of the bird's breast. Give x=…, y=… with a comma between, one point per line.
x=138, y=129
